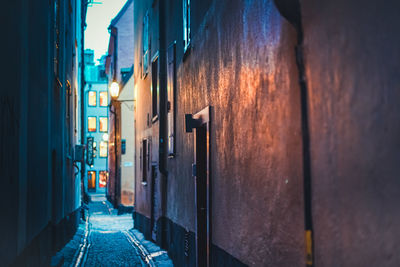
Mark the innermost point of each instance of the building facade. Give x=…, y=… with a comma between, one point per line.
x=119, y=68
x=264, y=127
x=40, y=126
x=96, y=124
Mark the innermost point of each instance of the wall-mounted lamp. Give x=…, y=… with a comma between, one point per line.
x=114, y=90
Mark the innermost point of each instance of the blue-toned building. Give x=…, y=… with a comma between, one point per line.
x=96, y=124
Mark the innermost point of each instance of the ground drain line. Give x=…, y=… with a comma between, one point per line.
x=83, y=248
x=144, y=254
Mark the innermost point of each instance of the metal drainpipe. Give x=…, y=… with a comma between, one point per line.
x=291, y=10
x=163, y=120
x=83, y=141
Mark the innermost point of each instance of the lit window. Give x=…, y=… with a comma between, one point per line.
x=103, y=149
x=103, y=177
x=186, y=24
x=92, y=124
x=92, y=98
x=103, y=124
x=103, y=99
x=146, y=43
x=92, y=180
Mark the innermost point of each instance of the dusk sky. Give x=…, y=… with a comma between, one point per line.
x=99, y=16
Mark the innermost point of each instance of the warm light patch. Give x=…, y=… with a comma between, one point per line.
x=92, y=98
x=103, y=124
x=103, y=149
x=91, y=124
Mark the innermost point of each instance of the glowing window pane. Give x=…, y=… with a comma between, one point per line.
x=103, y=177
x=103, y=124
x=91, y=124
x=103, y=99
x=92, y=98
x=103, y=149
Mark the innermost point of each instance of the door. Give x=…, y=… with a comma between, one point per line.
x=201, y=174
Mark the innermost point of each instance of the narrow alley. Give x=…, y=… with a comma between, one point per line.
x=200, y=133
x=107, y=238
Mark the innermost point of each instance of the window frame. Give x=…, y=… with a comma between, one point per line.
x=106, y=101
x=155, y=88
x=95, y=130
x=103, y=117
x=95, y=98
x=145, y=44
x=171, y=99
x=186, y=25
x=106, y=149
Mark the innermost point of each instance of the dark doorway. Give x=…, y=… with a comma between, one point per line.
x=201, y=174
x=91, y=181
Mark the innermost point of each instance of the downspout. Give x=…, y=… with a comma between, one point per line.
x=163, y=120
x=83, y=141
x=291, y=10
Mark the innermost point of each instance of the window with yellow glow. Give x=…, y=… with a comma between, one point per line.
x=103, y=99
x=103, y=124
x=103, y=177
x=92, y=98
x=103, y=149
x=92, y=124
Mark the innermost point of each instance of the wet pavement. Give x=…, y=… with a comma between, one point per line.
x=108, y=239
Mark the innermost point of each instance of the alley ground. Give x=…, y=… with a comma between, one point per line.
x=108, y=239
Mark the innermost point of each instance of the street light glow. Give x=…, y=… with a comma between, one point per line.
x=105, y=137
x=114, y=90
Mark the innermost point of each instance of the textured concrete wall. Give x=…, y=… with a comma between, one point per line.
x=352, y=61
x=243, y=65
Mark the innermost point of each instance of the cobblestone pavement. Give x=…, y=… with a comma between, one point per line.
x=108, y=239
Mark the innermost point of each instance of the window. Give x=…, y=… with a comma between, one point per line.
x=144, y=156
x=186, y=24
x=92, y=98
x=103, y=124
x=92, y=124
x=123, y=146
x=154, y=87
x=146, y=43
x=103, y=178
x=171, y=85
x=103, y=99
x=92, y=180
x=103, y=149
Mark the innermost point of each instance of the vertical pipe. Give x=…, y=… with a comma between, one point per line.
x=163, y=117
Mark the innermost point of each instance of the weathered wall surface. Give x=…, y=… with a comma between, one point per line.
x=352, y=61
x=243, y=65
x=242, y=62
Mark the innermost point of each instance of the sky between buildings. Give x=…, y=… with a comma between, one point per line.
x=98, y=18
